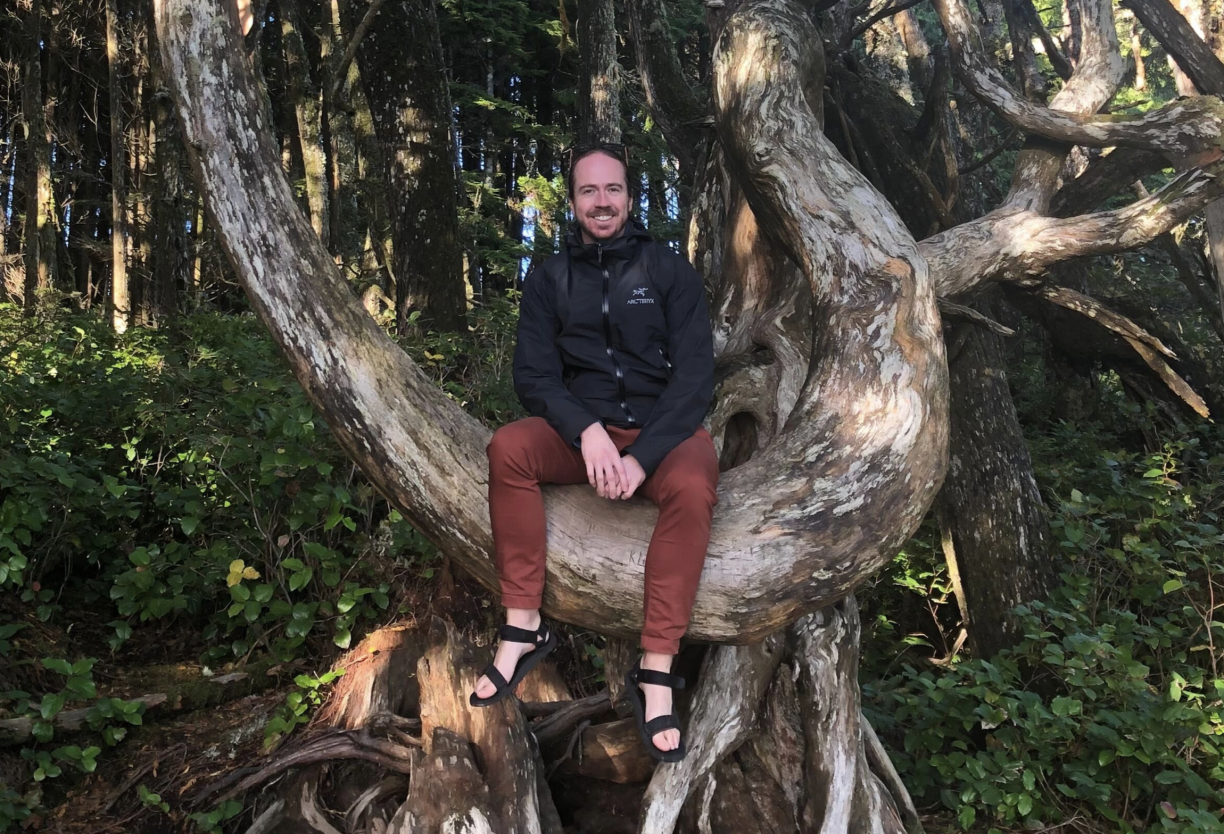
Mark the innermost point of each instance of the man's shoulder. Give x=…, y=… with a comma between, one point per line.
x=549, y=268
x=674, y=265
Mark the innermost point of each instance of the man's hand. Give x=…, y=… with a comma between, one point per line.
x=634, y=475
x=604, y=465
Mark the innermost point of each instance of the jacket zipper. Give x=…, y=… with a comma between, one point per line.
x=607, y=321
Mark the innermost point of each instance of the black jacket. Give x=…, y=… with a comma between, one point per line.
x=617, y=333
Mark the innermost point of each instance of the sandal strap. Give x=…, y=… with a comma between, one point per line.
x=660, y=678
x=499, y=681
x=514, y=634
x=663, y=722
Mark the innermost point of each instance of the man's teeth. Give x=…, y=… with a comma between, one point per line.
x=603, y=217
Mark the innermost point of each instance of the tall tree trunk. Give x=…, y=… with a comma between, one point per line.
x=996, y=537
x=140, y=226
x=304, y=97
x=40, y=210
x=405, y=82
x=169, y=217
x=599, y=76
x=120, y=295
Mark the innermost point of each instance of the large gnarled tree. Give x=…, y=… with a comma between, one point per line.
x=832, y=412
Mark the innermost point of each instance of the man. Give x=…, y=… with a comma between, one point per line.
x=615, y=362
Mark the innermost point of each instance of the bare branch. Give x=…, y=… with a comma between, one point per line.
x=1088, y=306
x=339, y=73
x=1182, y=127
x=952, y=310
x=1012, y=245
x=1177, y=36
x=1106, y=176
x=673, y=105
x=889, y=10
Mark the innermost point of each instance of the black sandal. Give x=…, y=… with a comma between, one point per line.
x=545, y=641
x=637, y=700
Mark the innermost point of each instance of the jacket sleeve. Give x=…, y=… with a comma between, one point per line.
x=537, y=364
x=682, y=405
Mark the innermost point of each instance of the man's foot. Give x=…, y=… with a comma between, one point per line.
x=508, y=653
x=659, y=699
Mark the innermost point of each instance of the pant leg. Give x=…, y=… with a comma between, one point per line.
x=685, y=488
x=523, y=455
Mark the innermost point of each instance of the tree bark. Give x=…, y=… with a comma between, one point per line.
x=169, y=233
x=304, y=97
x=120, y=296
x=599, y=75
x=997, y=537
x=40, y=210
x=405, y=82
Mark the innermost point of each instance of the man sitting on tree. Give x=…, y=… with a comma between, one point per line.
x=615, y=363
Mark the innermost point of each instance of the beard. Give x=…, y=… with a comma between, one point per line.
x=595, y=230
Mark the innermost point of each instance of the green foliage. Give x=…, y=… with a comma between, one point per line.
x=297, y=704
x=210, y=822
x=1113, y=704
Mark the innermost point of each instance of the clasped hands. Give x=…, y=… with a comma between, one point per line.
x=612, y=476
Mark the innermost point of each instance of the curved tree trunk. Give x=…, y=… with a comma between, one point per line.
x=832, y=416
x=800, y=525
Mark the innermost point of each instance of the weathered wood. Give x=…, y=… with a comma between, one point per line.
x=611, y=752
x=447, y=674
x=841, y=793
x=448, y=794
x=191, y=695
x=722, y=714
x=379, y=678
x=801, y=524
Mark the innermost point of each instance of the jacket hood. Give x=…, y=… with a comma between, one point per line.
x=621, y=247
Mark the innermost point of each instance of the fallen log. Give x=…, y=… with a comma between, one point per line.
x=201, y=693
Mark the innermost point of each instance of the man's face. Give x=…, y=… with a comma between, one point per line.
x=601, y=197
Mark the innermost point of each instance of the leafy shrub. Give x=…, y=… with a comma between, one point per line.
x=1110, y=706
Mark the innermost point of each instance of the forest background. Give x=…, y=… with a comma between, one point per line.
x=174, y=511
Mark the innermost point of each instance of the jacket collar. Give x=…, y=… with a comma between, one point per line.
x=622, y=247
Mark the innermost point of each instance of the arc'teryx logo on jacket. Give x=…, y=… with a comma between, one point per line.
x=617, y=333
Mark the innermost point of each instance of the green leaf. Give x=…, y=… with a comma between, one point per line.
x=967, y=816
x=56, y=664
x=1173, y=585
x=189, y=525
x=343, y=638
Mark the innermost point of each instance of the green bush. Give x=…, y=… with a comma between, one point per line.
x=1111, y=704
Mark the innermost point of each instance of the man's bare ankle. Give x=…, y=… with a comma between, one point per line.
x=528, y=618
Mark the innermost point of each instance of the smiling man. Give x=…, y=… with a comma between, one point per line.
x=615, y=363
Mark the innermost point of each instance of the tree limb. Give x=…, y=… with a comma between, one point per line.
x=673, y=105
x=1177, y=36
x=1105, y=176
x=1183, y=127
x=1012, y=245
x=339, y=73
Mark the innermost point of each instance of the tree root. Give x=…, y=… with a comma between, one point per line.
x=776, y=743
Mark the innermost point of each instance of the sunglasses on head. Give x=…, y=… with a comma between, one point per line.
x=580, y=150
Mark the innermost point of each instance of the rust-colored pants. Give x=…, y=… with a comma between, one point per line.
x=527, y=453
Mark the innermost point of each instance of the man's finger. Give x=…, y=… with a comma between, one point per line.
x=590, y=473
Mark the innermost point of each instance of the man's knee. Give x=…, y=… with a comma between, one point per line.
x=690, y=487
x=511, y=442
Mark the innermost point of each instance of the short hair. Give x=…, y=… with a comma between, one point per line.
x=578, y=152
